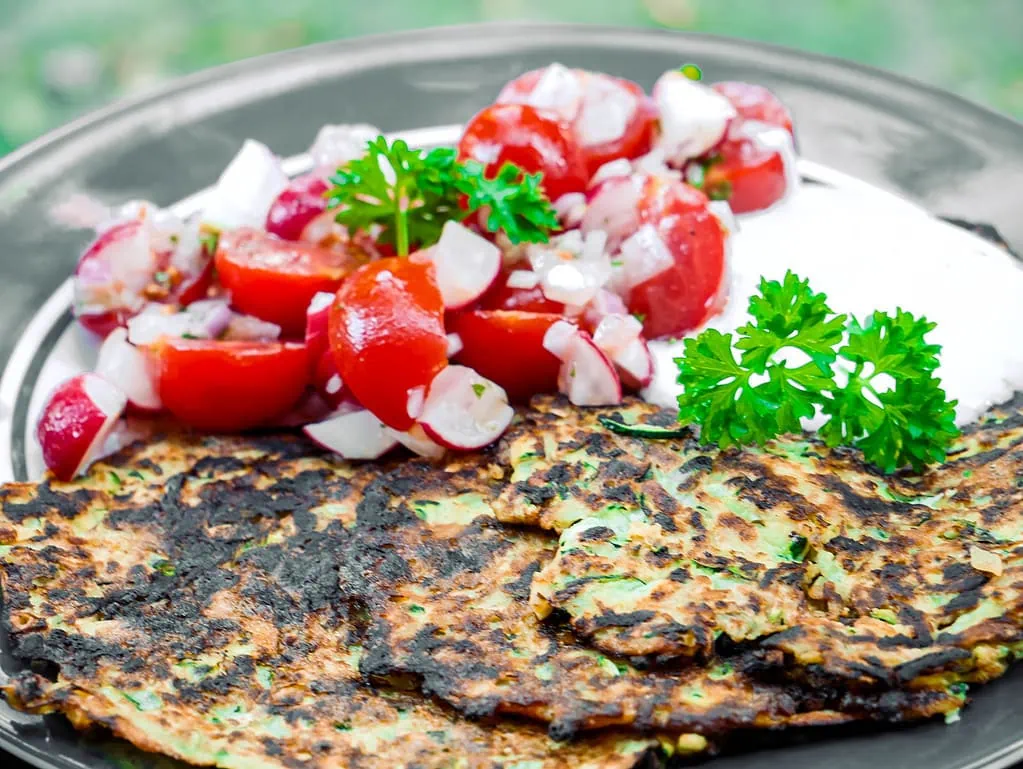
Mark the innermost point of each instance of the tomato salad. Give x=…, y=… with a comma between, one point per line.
x=393, y=296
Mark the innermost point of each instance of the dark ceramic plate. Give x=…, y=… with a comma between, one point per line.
x=951, y=157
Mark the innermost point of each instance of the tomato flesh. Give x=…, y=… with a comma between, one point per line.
x=275, y=279
x=387, y=335
x=573, y=104
x=227, y=386
x=683, y=296
x=519, y=134
x=506, y=347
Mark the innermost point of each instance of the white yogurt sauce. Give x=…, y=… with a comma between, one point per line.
x=870, y=254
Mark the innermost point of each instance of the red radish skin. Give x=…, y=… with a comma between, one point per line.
x=122, y=362
x=297, y=206
x=317, y=325
x=76, y=421
x=587, y=376
x=353, y=435
x=111, y=276
x=464, y=411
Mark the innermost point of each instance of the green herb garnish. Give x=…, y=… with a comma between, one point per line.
x=874, y=381
x=404, y=196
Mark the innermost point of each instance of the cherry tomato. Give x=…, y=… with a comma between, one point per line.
x=682, y=297
x=387, y=335
x=227, y=386
x=274, y=279
x=752, y=178
x=754, y=102
x=588, y=103
x=504, y=297
x=518, y=134
x=506, y=347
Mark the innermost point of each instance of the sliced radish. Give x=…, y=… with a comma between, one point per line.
x=587, y=375
x=327, y=380
x=418, y=442
x=336, y=145
x=112, y=275
x=122, y=362
x=620, y=337
x=316, y=320
x=416, y=401
x=570, y=208
x=353, y=435
x=76, y=421
x=558, y=90
x=247, y=188
x=298, y=205
x=467, y=265
x=603, y=304
x=694, y=117
x=465, y=411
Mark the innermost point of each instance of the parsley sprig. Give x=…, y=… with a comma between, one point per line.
x=403, y=196
x=873, y=381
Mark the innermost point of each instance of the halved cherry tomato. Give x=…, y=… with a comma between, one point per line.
x=519, y=134
x=682, y=297
x=754, y=102
x=750, y=177
x=227, y=386
x=275, y=279
x=589, y=105
x=504, y=297
x=387, y=335
x=506, y=347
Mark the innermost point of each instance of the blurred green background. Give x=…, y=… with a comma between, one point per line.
x=59, y=58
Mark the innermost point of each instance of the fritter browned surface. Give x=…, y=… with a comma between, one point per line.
x=866, y=578
x=252, y=602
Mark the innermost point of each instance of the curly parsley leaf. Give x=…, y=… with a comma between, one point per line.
x=892, y=407
x=781, y=369
x=403, y=196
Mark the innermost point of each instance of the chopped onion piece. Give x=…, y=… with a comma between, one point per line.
x=694, y=117
x=205, y=319
x=247, y=188
x=607, y=110
x=613, y=169
x=643, y=256
x=522, y=279
x=558, y=90
x=455, y=345
x=336, y=145
x=613, y=209
x=416, y=399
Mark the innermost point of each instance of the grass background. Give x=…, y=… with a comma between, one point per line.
x=59, y=58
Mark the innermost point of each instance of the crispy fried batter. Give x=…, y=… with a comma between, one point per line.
x=872, y=579
x=188, y=594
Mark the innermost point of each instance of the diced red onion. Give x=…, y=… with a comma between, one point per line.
x=525, y=279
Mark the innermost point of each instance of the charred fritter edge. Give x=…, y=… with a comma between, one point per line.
x=858, y=577
x=444, y=589
x=186, y=594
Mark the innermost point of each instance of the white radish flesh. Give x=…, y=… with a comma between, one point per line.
x=643, y=256
x=122, y=362
x=353, y=435
x=694, y=117
x=587, y=375
x=455, y=345
x=418, y=442
x=613, y=209
x=466, y=264
x=247, y=188
x=607, y=109
x=76, y=421
x=464, y=410
x=317, y=316
x=559, y=337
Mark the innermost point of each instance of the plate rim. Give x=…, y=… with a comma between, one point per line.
x=22, y=158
